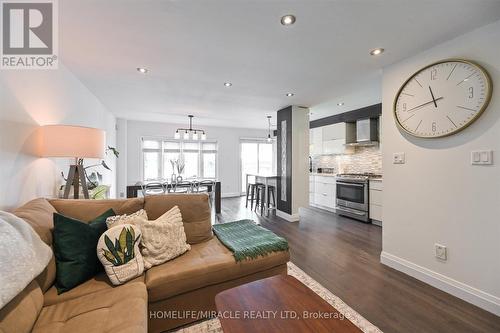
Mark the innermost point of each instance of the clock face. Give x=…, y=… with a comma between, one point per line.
x=442, y=98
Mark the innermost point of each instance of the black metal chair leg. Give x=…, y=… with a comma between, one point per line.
x=248, y=190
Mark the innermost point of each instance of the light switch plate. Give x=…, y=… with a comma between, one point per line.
x=440, y=251
x=398, y=158
x=481, y=157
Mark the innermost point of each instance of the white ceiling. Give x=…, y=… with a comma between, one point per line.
x=193, y=47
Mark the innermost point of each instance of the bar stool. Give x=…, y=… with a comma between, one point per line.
x=250, y=194
x=258, y=201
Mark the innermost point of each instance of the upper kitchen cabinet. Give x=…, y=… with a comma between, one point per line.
x=329, y=140
x=316, y=141
x=334, y=132
x=334, y=138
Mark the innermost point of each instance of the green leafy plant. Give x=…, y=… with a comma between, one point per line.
x=122, y=251
x=99, y=192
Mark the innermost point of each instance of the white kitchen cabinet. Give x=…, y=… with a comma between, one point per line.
x=328, y=140
x=311, y=190
x=334, y=146
x=376, y=188
x=316, y=141
x=323, y=194
x=334, y=131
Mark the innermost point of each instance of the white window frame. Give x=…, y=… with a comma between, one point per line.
x=181, y=142
x=243, y=191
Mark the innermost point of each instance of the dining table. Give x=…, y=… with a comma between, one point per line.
x=267, y=179
x=133, y=190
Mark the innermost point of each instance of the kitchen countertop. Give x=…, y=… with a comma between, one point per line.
x=335, y=175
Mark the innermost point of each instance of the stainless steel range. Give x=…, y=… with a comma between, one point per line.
x=352, y=195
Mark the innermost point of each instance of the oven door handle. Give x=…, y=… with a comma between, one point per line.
x=351, y=184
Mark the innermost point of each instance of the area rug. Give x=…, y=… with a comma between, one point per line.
x=213, y=325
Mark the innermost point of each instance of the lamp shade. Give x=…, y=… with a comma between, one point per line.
x=71, y=141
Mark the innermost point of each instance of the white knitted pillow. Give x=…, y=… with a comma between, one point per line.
x=126, y=219
x=162, y=239
x=118, y=251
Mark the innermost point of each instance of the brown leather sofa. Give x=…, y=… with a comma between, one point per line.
x=167, y=296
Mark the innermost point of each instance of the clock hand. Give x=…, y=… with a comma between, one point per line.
x=433, y=99
x=421, y=105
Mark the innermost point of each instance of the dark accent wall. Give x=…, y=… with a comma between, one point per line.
x=372, y=111
x=284, y=205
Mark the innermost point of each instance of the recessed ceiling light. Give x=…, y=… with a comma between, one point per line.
x=340, y=103
x=228, y=84
x=289, y=94
x=288, y=20
x=377, y=51
x=142, y=70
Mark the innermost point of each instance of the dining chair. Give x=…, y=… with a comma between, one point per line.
x=167, y=187
x=206, y=186
x=153, y=188
x=183, y=187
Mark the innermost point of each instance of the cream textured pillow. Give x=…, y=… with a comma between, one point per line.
x=126, y=219
x=162, y=239
x=118, y=251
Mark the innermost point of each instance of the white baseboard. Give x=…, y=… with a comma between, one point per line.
x=461, y=290
x=288, y=217
x=230, y=195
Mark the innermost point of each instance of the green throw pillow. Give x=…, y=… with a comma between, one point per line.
x=75, y=244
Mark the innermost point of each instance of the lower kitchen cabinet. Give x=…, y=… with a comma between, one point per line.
x=376, y=187
x=322, y=192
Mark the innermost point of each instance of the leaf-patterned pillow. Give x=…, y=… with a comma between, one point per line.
x=118, y=251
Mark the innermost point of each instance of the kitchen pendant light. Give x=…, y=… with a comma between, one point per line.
x=269, y=139
x=194, y=133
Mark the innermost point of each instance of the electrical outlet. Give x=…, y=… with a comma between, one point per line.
x=398, y=158
x=122, y=195
x=440, y=251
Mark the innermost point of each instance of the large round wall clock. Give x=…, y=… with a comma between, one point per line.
x=442, y=98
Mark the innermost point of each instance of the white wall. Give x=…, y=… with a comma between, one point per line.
x=228, y=140
x=438, y=196
x=30, y=98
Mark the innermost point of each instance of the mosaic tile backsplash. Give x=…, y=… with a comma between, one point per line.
x=364, y=159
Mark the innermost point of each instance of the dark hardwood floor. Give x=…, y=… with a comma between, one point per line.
x=344, y=256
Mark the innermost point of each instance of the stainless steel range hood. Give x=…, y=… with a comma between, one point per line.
x=364, y=133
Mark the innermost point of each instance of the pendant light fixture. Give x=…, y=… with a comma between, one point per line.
x=190, y=132
x=269, y=139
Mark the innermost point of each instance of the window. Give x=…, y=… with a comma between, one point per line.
x=200, y=158
x=256, y=157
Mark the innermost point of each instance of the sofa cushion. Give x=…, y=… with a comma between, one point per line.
x=162, y=239
x=113, y=221
x=20, y=314
x=97, y=283
x=205, y=264
x=119, y=253
x=39, y=214
x=120, y=309
x=87, y=210
x=75, y=244
x=195, y=210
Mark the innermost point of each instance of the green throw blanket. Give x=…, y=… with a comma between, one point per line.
x=248, y=240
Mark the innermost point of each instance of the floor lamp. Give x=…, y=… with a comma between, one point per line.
x=72, y=142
